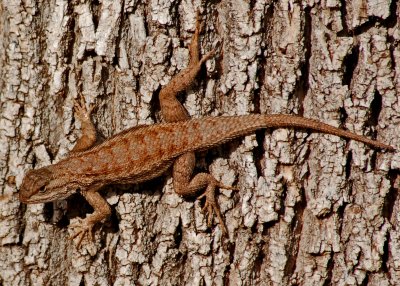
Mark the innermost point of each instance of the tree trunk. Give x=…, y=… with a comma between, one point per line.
x=311, y=209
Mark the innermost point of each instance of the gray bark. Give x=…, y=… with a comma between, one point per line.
x=312, y=209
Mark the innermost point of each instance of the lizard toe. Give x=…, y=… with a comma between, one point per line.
x=211, y=206
x=82, y=227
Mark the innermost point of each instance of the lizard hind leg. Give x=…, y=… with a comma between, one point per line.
x=183, y=80
x=195, y=61
x=185, y=186
x=194, y=51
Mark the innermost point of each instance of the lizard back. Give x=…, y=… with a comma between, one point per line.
x=140, y=154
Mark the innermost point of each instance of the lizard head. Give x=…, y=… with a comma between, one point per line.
x=41, y=185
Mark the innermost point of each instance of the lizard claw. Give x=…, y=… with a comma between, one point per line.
x=83, y=227
x=80, y=108
x=211, y=205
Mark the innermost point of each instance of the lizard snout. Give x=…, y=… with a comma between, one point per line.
x=24, y=193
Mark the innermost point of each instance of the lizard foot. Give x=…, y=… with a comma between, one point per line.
x=211, y=205
x=81, y=110
x=82, y=113
x=82, y=227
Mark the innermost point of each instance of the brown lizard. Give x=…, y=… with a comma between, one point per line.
x=144, y=152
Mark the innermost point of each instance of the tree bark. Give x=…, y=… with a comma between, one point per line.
x=311, y=209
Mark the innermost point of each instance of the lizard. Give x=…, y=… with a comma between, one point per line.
x=144, y=152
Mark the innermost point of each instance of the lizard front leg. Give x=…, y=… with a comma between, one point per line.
x=101, y=211
x=87, y=140
x=88, y=137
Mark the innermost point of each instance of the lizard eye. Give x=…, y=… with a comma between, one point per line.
x=42, y=189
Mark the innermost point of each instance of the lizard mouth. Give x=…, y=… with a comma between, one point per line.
x=28, y=200
x=42, y=198
x=29, y=197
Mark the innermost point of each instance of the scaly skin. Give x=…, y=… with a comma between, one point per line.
x=140, y=154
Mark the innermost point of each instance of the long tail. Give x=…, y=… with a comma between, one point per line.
x=216, y=130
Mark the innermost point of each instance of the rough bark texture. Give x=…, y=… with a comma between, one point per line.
x=312, y=209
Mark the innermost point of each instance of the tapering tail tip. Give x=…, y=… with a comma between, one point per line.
x=379, y=145
x=390, y=148
x=383, y=146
